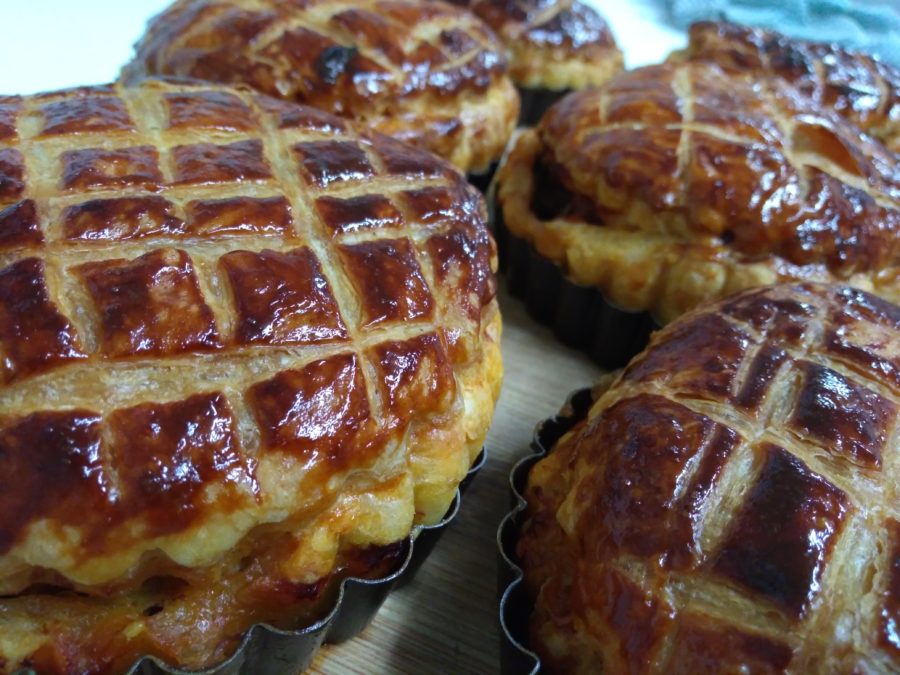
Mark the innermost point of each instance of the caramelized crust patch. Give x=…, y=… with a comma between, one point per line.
x=34, y=335
x=85, y=114
x=96, y=168
x=848, y=419
x=50, y=467
x=856, y=86
x=659, y=520
x=439, y=205
x=151, y=305
x=367, y=212
x=282, y=298
x=861, y=334
x=702, y=359
x=209, y=110
x=414, y=374
x=238, y=216
x=402, y=159
x=210, y=163
x=19, y=226
x=389, y=281
x=319, y=412
x=121, y=219
x=291, y=116
x=327, y=162
x=10, y=107
x=703, y=645
x=168, y=455
x=12, y=174
x=782, y=538
x=463, y=267
x=785, y=320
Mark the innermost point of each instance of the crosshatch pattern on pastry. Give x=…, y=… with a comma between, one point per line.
x=184, y=333
x=757, y=523
x=427, y=73
x=682, y=182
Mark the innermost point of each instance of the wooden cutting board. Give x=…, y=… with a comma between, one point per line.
x=446, y=620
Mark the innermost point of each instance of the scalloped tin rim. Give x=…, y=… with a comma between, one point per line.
x=516, y=657
x=293, y=650
x=579, y=316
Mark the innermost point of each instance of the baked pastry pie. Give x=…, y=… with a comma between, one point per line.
x=246, y=347
x=730, y=504
x=861, y=88
x=676, y=184
x=553, y=46
x=419, y=70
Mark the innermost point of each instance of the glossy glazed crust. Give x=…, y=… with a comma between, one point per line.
x=424, y=72
x=730, y=503
x=679, y=183
x=552, y=44
x=228, y=324
x=862, y=89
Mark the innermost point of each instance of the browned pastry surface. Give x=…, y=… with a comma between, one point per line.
x=679, y=183
x=860, y=88
x=552, y=44
x=419, y=70
x=731, y=502
x=245, y=346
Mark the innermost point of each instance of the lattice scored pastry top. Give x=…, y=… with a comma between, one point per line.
x=731, y=502
x=421, y=71
x=678, y=183
x=552, y=44
x=862, y=89
x=233, y=331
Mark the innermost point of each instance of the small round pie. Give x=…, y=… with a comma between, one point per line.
x=553, y=46
x=419, y=70
x=731, y=504
x=246, y=346
x=861, y=88
x=676, y=184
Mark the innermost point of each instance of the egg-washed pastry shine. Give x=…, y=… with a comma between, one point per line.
x=246, y=346
x=419, y=70
x=860, y=88
x=731, y=504
x=552, y=44
x=675, y=184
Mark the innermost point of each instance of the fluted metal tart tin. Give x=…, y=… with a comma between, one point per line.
x=266, y=650
x=580, y=316
x=515, y=606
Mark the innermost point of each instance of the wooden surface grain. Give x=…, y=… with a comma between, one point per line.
x=445, y=621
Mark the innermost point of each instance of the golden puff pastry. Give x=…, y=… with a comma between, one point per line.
x=861, y=88
x=730, y=504
x=420, y=70
x=675, y=184
x=246, y=347
x=555, y=44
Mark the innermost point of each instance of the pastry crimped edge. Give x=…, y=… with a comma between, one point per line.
x=559, y=69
